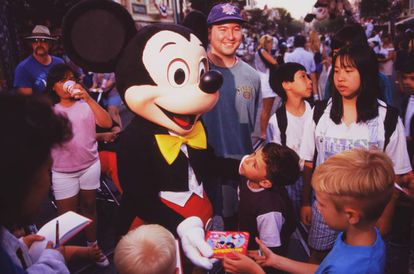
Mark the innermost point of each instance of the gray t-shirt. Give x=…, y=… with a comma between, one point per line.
x=232, y=121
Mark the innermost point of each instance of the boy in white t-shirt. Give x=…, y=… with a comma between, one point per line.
x=285, y=127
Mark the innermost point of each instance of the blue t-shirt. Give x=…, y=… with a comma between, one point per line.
x=345, y=258
x=232, y=121
x=32, y=74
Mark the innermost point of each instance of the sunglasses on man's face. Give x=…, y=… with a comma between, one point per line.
x=39, y=40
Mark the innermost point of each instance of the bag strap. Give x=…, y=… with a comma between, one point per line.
x=390, y=123
x=282, y=123
x=318, y=110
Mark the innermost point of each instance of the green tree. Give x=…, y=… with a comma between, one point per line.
x=277, y=19
x=329, y=26
x=382, y=10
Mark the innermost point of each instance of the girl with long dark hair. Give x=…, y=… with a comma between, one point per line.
x=354, y=117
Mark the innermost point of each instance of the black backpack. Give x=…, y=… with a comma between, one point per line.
x=390, y=121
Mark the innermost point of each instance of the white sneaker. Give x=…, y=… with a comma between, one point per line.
x=103, y=260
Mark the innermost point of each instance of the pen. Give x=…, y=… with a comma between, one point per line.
x=57, y=235
x=397, y=186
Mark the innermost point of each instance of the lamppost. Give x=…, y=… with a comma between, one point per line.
x=176, y=11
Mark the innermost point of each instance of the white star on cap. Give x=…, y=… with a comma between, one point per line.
x=229, y=9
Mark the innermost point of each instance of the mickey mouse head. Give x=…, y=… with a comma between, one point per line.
x=161, y=70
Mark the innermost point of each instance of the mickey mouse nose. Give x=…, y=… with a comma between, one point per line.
x=211, y=81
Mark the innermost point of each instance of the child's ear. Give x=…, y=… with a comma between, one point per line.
x=265, y=183
x=353, y=215
x=286, y=85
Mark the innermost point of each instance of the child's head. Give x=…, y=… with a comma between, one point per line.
x=408, y=74
x=299, y=41
x=56, y=76
x=265, y=42
x=148, y=249
x=349, y=35
x=274, y=165
x=353, y=187
x=33, y=129
x=290, y=79
x=386, y=38
x=355, y=75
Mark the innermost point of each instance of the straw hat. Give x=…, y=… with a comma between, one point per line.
x=40, y=32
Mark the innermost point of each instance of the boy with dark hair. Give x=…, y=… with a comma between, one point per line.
x=302, y=56
x=352, y=206
x=285, y=127
x=265, y=209
x=407, y=70
x=398, y=240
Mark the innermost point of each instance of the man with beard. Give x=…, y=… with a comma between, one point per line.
x=30, y=74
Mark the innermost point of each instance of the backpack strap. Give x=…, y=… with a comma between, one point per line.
x=411, y=121
x=318, y=110
x=404, y=106
x=390, y=123
x=282, y=123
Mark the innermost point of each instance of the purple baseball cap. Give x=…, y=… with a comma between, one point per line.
x=224, y=12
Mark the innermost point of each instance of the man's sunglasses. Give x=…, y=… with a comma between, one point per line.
x=40, y=40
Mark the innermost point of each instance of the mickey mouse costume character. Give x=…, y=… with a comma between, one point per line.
x=162, y=75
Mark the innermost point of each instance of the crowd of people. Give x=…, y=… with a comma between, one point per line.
x=320, y=126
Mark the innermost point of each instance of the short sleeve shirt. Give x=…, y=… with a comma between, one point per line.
x=32, y=74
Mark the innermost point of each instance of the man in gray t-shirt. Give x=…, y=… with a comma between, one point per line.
x=232, y=121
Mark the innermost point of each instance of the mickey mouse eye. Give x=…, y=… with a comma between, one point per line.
x=202, y=68
x=178, y=73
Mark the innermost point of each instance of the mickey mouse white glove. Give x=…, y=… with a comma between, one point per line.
x=196, y=249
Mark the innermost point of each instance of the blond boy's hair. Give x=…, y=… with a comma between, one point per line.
x=359, y=176
x=148, y=249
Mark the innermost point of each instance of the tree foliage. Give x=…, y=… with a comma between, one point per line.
x=373, y=8
x=381, y=10
x=330, y=25
x=271, y=20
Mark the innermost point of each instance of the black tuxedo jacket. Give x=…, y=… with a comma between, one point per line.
x=143, y=172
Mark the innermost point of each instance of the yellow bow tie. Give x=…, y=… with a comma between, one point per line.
x=170, y=145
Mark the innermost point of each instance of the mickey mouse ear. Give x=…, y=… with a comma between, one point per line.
x=95, y=32
x=309, y=17
x=197, y=22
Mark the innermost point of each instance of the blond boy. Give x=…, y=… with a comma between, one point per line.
x=352, y=189
x=148, y=249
